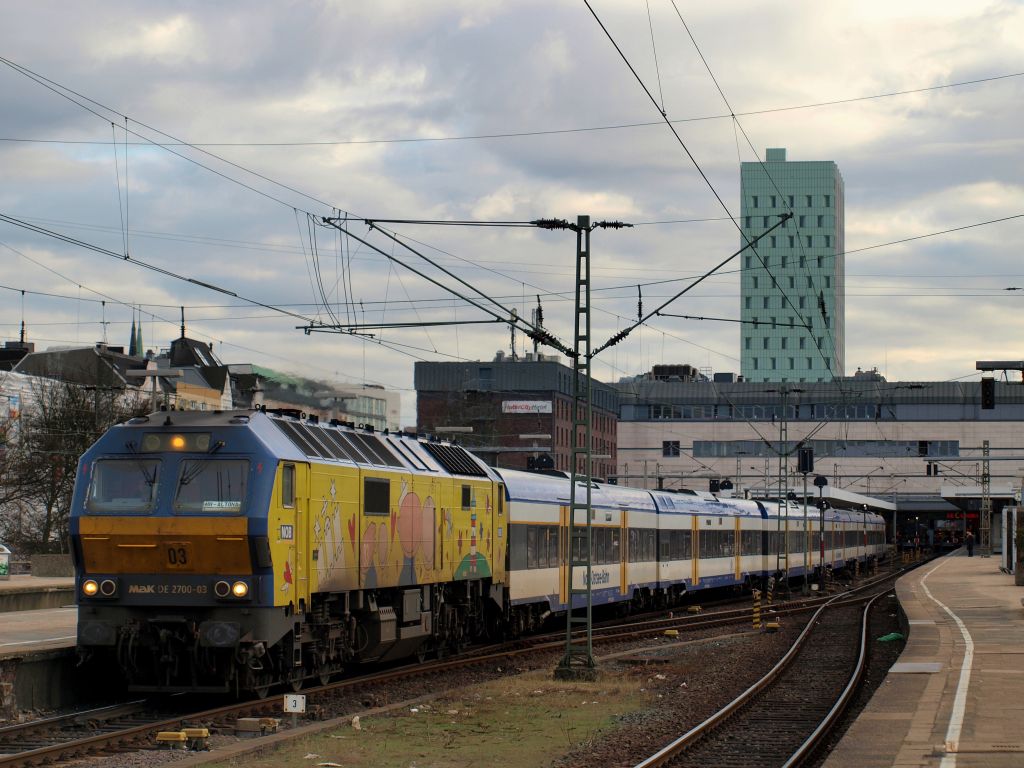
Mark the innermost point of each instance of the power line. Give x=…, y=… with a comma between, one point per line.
x=541, y=132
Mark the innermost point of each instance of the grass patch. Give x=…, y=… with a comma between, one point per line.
x=521, y=722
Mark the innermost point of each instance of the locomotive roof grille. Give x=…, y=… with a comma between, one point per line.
x=300, y=441
x=331, y=443
x=454, y=459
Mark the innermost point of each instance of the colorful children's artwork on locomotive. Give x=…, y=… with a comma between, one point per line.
x=476, y=543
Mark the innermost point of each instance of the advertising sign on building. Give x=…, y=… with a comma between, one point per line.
x=526, y=406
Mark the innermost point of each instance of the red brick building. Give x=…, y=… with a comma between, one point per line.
x=507, y=411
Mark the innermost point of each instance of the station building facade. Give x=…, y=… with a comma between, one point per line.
x=917, y=444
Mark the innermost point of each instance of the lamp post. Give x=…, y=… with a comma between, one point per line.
x=821, y=481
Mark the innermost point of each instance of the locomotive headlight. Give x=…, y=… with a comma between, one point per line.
x=239, y=589
x=108, y=587
x=222, y=589
x=177, y=442
x=90, y=588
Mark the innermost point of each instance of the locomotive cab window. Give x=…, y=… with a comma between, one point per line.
x=123, y=486
x=288, y=485
x=211, y=486
x=376, y=496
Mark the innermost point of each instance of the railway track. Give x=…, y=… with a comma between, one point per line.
x=783, y=718
x=133, y=726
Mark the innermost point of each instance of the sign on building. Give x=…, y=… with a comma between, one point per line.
x=526, y=406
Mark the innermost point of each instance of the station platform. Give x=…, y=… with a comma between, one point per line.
x=31, y=593
x=955, y=698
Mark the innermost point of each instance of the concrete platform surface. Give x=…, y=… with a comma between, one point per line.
x=25, y=632
x=956, y=696
x=30, y=593
x=29, y=583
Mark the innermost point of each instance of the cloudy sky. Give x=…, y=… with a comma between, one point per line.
x=246, y=123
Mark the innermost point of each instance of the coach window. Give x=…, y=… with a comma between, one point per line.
x=288, y=485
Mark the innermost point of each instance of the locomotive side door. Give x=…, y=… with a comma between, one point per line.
x=300, y=548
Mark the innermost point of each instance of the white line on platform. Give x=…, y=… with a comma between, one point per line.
x=956, y=717
x=42, y=640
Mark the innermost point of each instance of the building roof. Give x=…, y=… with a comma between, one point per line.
x=99, y=365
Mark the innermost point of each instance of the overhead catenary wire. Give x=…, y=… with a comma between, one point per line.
x=546, y=132
x=160, y=270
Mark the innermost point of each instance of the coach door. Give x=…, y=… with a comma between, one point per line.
x=738, y=548
x=563, y=554
x=695, y=549
x=623, y=552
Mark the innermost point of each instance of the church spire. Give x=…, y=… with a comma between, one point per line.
x=132, y=350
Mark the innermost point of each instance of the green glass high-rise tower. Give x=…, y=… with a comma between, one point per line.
x=793, y=293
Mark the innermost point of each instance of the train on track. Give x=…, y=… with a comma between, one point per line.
x=238, y=550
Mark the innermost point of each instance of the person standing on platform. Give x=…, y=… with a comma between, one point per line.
x=969, y=541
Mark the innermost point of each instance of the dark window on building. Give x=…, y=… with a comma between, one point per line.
x=670, y=448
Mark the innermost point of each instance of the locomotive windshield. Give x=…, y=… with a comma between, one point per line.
x=123, y=486
x=211, y=486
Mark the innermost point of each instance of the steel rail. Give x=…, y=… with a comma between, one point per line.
x=805, y=750
x=673, y=749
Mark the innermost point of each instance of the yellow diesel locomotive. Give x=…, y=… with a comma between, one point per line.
x=230, y=551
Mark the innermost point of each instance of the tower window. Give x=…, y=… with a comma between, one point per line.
x=828, y=201
x=755, y=201
x=809, y=203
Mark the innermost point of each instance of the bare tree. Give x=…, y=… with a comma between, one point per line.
x=38, y=473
